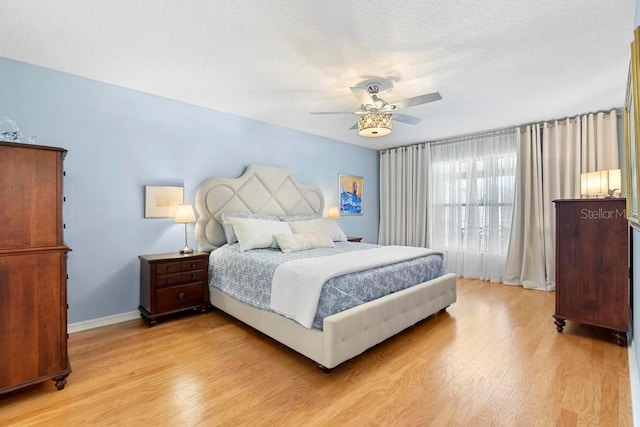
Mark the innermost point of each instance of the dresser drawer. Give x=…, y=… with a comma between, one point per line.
x=193, y=276
x=178, y=297
x=168, y=267
x=164, y=280
x=169, y=279
x=195, y=264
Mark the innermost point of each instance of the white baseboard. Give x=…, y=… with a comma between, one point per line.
x=634, y=379
x=102, y=321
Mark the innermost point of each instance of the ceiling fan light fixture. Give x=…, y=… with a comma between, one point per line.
x=372, y=125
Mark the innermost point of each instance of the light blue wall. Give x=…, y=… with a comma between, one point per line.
x=120, y=140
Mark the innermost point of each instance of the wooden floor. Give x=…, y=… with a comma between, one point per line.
x=493, y=358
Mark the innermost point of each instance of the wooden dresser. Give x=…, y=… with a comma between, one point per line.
x=592, y=266
x=33, y=273
x=171, y=283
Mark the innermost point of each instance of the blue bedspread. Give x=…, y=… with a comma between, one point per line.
x=246, y=276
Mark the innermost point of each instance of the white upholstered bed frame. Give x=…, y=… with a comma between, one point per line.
x=273, y=190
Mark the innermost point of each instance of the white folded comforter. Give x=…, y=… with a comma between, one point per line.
x=297, y=284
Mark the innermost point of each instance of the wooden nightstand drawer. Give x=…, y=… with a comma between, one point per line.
x=173, y=282
x=168, y=267
x=169, y=279
x=178, y=297
x=164, y=280
x=193, y=276
x=196, y=264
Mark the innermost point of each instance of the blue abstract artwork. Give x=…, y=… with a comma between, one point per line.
x=351, y=191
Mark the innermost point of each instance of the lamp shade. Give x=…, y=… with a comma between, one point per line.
x=333, y=212
x=184, y=213
x=590, y=184
x=373, y=125
x=604, y=182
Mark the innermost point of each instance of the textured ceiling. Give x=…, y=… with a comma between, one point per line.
x=496, y=63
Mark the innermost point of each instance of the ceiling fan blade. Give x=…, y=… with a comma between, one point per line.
x=412, y=120
x=362, y=95
x=332, y=112
x=417, y=100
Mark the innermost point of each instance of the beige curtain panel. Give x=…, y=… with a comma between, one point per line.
x=551, y=157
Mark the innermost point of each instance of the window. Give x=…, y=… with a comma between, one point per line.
x=472, y=192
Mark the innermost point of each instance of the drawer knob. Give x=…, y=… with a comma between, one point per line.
x=181, y=295
x=193, y=265
x=169, y=280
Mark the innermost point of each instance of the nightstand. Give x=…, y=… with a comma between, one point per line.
x=170, y=283
x=354, y=239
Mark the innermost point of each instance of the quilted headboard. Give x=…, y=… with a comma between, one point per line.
x=261, y=189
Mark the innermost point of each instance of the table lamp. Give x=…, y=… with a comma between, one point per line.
x=184, y=214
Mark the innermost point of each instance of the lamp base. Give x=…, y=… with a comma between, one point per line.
x=186, y=250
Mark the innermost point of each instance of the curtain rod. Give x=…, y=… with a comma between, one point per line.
x=471, y=136
x=619, y=113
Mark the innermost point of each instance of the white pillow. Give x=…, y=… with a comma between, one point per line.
x=299, y=217
x=228, y=228
x=257, y=233
x=325, y=225
x=302, y=242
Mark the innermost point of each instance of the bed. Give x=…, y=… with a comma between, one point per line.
x=336, y=337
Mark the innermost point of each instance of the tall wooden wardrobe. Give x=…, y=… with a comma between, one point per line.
x=592, y=266
x=33, y=273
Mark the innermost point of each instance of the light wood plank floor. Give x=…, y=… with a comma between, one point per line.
x=494, y=358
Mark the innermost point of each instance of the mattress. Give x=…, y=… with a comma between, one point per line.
x=246, y=276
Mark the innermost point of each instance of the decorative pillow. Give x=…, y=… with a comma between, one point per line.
x=228, y=228
x=302, y=242
x=325, y=225
x=257, y=233
x=299, y=217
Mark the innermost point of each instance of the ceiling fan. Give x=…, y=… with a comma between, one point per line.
x=376, y=113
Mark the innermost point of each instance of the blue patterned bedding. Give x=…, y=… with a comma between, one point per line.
x=246, y=276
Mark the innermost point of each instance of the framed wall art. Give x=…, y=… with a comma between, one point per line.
x=632, y=132
x=351, y=191
x=161, y=202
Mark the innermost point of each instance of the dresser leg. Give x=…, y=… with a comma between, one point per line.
x=60, y=381
x=559, y=322
x=151, y=321
x=620, y=338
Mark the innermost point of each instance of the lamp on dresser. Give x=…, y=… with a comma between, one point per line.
x=184, y=214
x=601, y=183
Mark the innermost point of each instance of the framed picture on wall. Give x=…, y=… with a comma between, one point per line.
x=351, y=191
x=161, y=202
x=632, y=133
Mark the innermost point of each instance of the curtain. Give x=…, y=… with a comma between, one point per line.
x=471, y=203
x=551, y=158
x=403, y=196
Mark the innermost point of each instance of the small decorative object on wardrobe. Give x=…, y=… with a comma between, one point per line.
x=9, y=130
